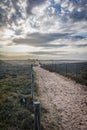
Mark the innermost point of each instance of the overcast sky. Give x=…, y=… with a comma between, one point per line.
x=44, y=29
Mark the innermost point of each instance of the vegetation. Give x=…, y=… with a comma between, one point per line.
x=1, y=62
x=15, y=99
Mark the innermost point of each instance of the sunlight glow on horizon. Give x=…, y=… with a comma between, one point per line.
x=20, y=49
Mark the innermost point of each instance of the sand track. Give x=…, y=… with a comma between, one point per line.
x=64, y=99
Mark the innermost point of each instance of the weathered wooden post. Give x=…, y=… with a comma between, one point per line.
x=76, y=70
x=37, y=116
x=32, y=82
x=66, y=69
x=32, y=86
x=55, y=67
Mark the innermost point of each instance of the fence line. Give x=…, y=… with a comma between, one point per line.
x=77, y=71
x=36, y=104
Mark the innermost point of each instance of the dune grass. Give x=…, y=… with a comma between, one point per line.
x=15, y=84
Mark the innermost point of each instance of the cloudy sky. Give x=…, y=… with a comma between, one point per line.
x=44, y=29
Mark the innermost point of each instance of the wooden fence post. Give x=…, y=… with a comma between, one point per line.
x=37, y=116
x=66, y=69
x=32, y=82
x=76, y=70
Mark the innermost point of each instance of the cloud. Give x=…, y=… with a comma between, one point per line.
x=53, y=53
x=54, y=16
x=80, y=11
x=76, y=15
x=51, y=39
x=47, y=24
x=44, y=53
x=81, y=45
x=32, y=3
x=12, y=11
x=42, y=40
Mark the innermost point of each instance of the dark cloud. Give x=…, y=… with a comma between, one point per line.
x=18, y=32
x=44, y=53
x=76, y=15
x=81, y=45
x=49, y=52
x=80, y=11
x=37, y=43
x=17, y=8
x=33, y=3
x=6, y=7
x=3, y=17
x=78, y=37
x=38, y=39
x=43, y=39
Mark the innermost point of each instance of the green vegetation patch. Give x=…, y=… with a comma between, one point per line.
x=15, y=101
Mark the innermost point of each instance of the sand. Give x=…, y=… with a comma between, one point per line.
x=64, y=100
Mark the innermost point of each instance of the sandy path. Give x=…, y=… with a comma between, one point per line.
x=65, y=101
